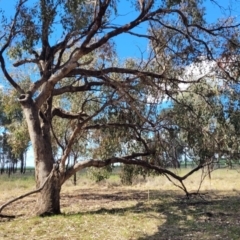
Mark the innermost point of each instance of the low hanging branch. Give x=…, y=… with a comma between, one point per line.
x=132, y=160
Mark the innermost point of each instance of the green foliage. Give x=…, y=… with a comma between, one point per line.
x=127, y=174
x=76, y=15
x=206, y=123
x=194, y=10
x=13, y=122
x=99, y=174
x=130, y=172
x=171, y=3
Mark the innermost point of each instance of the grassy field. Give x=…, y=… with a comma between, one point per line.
x=149, y=210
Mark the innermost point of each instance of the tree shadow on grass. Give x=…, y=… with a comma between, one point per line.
x=110, y=207
x=113, y=196
x=216, y=216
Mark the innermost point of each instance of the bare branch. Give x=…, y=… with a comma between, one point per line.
x=97, y=22
x=7, y=75
x=195, y=170
x=64, y=45
x=24, y=61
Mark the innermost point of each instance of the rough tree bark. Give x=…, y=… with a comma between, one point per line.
x=48, y=201
x=49, y=198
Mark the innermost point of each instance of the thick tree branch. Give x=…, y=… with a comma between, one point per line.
x=97, y=22
x=67, y=43
x=99, y=73
x=130, y=159
x=144, y=15
x=86, y=87
x=133, y=160
x=68, y=115
x=36, y=85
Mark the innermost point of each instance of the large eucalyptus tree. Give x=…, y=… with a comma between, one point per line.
x=116, y=115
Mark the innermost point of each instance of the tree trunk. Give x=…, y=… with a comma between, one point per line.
x=48, y=200
x=22, y=162
x=75, y=174
x=75, y=179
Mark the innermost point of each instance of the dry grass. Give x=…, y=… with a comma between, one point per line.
x=149, y=210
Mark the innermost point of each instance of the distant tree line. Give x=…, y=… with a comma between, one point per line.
x=9, y=163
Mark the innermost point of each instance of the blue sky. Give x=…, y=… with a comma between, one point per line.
x=129, y=46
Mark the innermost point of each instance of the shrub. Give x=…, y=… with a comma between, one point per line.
x=99, y=174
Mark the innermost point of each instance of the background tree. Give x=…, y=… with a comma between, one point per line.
x=117, y=115
x=205, y=113
x=14, y=136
